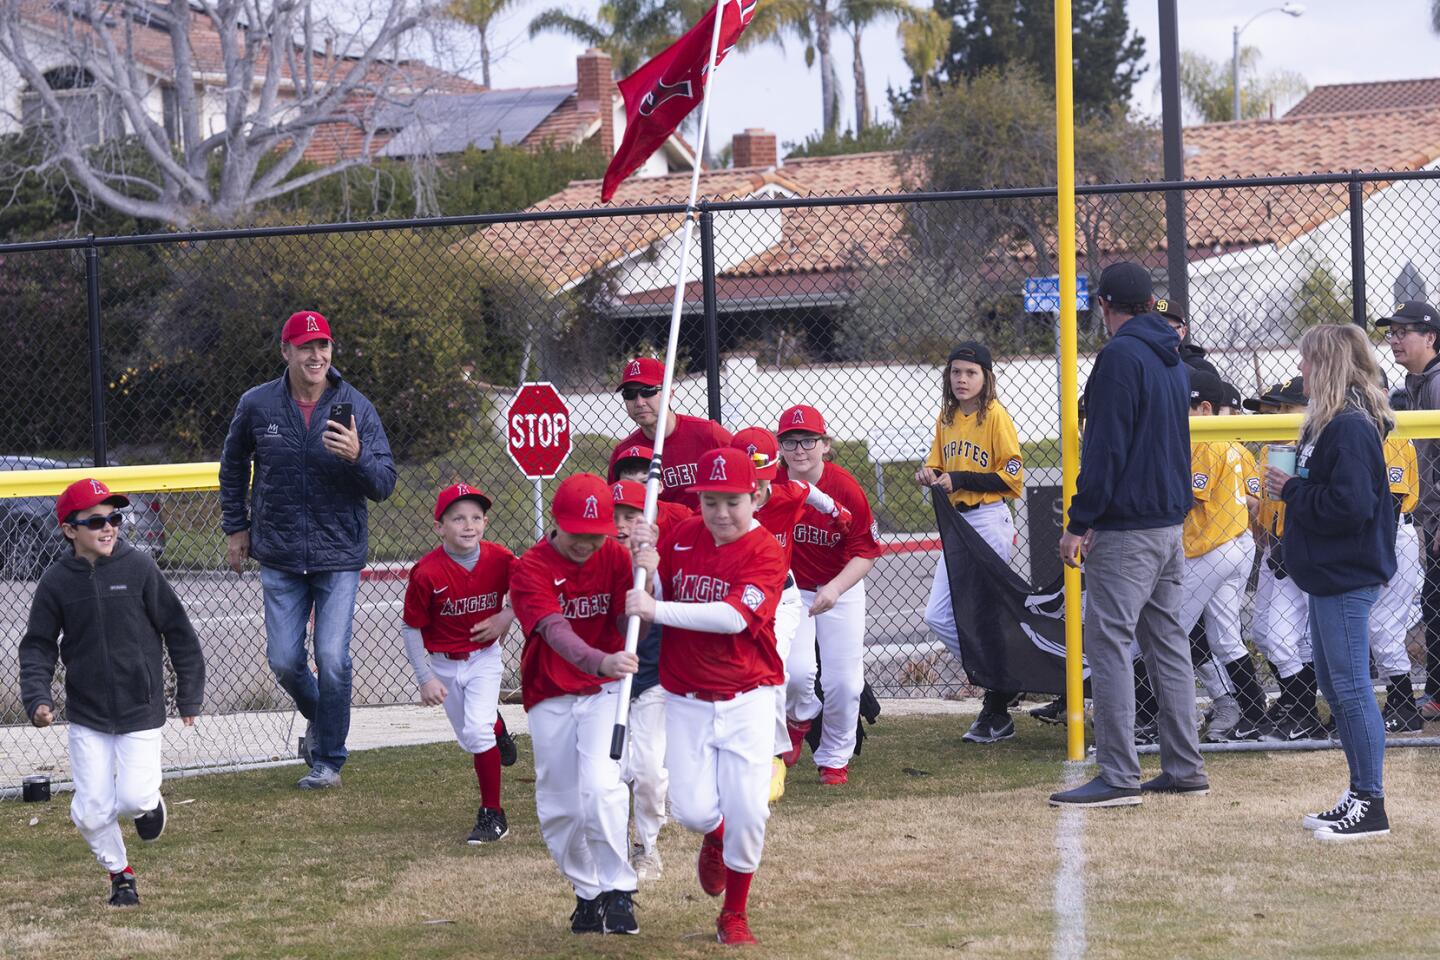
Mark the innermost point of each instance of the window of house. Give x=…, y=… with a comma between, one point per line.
x=92, y=114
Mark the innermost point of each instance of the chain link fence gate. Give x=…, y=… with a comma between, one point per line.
x=134, y=350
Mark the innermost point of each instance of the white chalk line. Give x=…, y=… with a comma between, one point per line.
x=1070, y=943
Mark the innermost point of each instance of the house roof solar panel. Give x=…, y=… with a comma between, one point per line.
x=449, y=123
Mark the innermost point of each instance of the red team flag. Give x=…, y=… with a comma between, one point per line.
x=664, y=90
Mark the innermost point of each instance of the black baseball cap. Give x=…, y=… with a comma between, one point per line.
x=972, y=352
x=1232, y=396
x=1287, y=392
x=1417, y=312
x=1170, y=310
x=1126, y=282
x=1206, y=387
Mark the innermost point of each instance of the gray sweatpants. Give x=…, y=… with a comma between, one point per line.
x=1132, y=590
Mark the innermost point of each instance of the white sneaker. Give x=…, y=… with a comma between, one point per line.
x=647, y=865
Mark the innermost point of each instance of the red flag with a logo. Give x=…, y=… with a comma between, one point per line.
x=665, y=89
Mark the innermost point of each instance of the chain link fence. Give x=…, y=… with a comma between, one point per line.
x=135, y=350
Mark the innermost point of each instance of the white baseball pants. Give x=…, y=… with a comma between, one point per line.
x=472, y=695
x=116, y=775
x=1390, y=617
x=1281, y=623
x=719, y=758
x=787, y=621
x=643, y=764
x=993, y=522
x=579, y=800
x=841, y=634
x=1214, y=587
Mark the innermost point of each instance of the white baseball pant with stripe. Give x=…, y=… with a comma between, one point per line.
x=117, y=776
x=472, y=695
x=1390, y=617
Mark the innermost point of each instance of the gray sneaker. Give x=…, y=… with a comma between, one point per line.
x=320, y=777
x=307, y=744
x=1224, y=717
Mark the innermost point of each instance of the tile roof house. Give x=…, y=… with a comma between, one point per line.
x=1250, y=244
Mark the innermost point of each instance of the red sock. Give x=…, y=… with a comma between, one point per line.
x=487, y=771
x=716, y=837
x=737, y=890
x=499, y=725
x=125, y=869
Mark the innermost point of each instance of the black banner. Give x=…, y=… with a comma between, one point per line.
x=1012, y=636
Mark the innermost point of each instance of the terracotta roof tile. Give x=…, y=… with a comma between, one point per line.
x=1376, y=95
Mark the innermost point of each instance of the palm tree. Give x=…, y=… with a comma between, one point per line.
x=630, y=31
x=855, y=16
x=479, y=14
x=924, y=41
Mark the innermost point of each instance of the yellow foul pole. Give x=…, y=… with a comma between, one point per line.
x=1069, y=380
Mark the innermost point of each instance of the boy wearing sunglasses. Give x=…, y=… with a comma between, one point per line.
x=115, y=610
x=685, y=437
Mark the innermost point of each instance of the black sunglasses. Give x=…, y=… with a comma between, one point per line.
x=631, y=393
x=98, y=523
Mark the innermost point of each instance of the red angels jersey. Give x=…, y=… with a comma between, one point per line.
x=692, y=436
x=590, y=595
x=748, y=574
x=783, y=510
x=670, y=515
x=443, y=600
x=819, y=551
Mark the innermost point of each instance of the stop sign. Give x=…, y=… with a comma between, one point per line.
x=537, y=427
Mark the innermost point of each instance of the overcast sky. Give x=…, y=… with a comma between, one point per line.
x=1333, y=41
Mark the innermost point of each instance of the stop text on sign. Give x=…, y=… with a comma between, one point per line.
x=539, y=429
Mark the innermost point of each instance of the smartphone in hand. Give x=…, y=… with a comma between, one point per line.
x=341, y=413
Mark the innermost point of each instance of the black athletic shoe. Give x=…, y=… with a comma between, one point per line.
x=1365, y=818
x=490, y=826
x=589, y=915
x=1052, y=712
x=508, y=751
x=123, y=892
x=1314, y=821
x=1403, y=717
x=150, y=824
x=618, y=908
x=1300, y=724
x=1164, y=783
x=990, y=728
x=1253, y=730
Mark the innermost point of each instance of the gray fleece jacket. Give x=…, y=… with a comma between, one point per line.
x=1423, y=391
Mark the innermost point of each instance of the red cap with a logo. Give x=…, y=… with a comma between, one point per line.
x=628, y=493
x=84, y=494
x=636, y=452
x=305, y=326
x=646, y=371
x=801, y=417
x=724, y=470
x=760, y=444
x=584, y=504
x=460, y=491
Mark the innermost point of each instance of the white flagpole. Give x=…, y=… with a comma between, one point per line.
x=652, y=482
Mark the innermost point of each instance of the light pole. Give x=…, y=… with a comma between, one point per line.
x=1290, y=9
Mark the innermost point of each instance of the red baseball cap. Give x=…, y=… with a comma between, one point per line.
x=801, y=417
x=460, y=491
x=628, y=493
x=84, y=494
x=636, y=452
x=763, y=449
x=584, y=504
x=724, y=470
x=305, y=326
x=646, y=371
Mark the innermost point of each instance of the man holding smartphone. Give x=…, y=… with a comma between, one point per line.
x=319, y=453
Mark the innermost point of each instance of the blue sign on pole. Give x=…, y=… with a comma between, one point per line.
x=1042, y=294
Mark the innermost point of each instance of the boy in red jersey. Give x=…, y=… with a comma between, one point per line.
x=685, y=437
x=830, y=565
x=720, y=576
x=780, y=503
x=633, y=463
x=453, y=619
x=568, y=592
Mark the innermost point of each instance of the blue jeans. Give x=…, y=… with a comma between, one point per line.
x=289, y=599
x=1340, y=636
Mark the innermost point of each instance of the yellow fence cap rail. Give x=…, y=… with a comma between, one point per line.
x=1410, y=424
x=154, y=478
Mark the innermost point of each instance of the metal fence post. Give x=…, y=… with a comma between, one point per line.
x=1177, y=283
x=97, y=372
x=712, y=320
x=1357, y=251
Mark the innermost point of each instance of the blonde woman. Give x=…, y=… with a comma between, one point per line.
x=1339, y=544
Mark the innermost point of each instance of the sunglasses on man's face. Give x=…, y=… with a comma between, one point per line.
x=98, y=523
x=632, y=393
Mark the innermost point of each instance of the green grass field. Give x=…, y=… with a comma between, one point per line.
x=937, y=849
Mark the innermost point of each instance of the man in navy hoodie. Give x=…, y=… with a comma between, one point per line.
x=1125, y=523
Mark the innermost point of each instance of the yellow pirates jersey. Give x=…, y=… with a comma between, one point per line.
x=1218, y=482
x=969, y=445
x=1402, y=472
